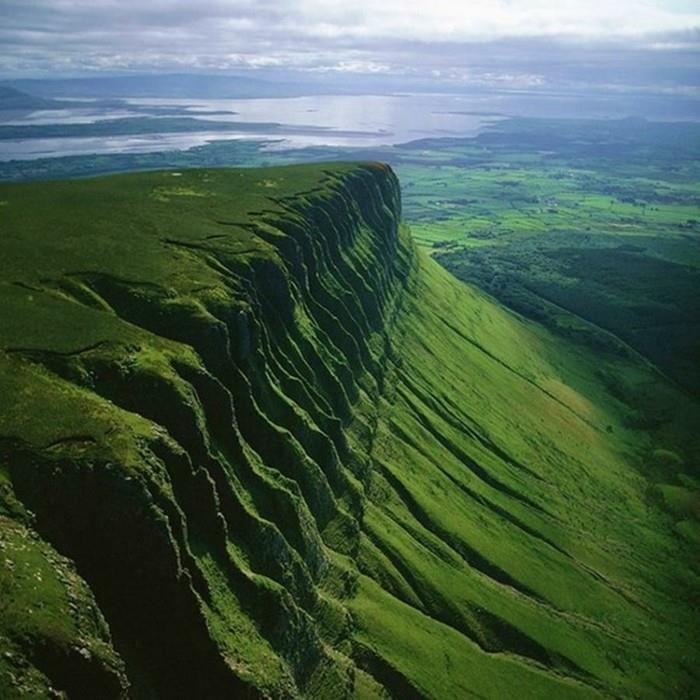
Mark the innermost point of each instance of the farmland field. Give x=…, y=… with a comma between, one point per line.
x=597, y=236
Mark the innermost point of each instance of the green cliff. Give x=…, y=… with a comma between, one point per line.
x=254, y=444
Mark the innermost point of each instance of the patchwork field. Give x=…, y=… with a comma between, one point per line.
x=591, y=228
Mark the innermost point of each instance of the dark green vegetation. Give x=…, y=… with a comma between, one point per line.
x=243, y=152
x=283, y=453
x=592, y=228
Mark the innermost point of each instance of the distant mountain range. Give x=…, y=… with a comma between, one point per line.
x=175, y=85
x=198, y=86
x=13, y=99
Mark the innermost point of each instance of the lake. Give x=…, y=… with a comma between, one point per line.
x=334, y=120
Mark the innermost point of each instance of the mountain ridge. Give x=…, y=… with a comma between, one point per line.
x=291, y=456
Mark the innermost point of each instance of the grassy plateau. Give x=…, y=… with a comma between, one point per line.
x=255, y=442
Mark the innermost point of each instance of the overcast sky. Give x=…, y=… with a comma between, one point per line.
x=519, y=43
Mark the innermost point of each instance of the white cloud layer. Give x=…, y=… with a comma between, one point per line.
x=479, y=20
x=64, y=36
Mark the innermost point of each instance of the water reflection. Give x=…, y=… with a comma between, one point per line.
x=334, y=120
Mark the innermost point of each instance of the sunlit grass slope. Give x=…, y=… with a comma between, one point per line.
x=281, y=453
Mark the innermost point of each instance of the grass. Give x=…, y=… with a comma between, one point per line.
x=534, y=211
x=270, y=430
x=588, y=227
x=49, y=617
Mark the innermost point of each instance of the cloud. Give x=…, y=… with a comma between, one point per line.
x=479, y=20
x=454, y=37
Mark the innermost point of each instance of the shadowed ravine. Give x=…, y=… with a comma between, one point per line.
x=254, y=444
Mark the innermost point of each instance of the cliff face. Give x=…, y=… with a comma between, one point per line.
x=253, y=444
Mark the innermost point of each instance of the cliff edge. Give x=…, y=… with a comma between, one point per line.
x=254, y=444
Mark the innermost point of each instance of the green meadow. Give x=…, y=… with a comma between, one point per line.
x=590, y=228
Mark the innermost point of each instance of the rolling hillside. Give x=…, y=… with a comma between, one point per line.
x=253, y=443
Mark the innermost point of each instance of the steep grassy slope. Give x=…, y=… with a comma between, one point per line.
x=283, y=454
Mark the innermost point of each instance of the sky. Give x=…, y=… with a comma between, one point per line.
x=518, y=44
